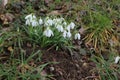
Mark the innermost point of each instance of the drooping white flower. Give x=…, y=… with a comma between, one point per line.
x=68, y=27
x=28, y=22
x=48, y=32
x=28, y=16
x=77, y=36
x=34, y=17
x=28, y=19
x=60, y=28
x=64, y=23
x=49, y=22
x=31, y=20
x=34, y=23
x=40, y=21
x=64, y=33
x=69, y=34
x=62, y=19
x=58, y=20
x=117, y=59
x=71, y=26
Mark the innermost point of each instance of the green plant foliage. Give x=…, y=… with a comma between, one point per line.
x=20, y=68
x=99, y=30
x=51, y=32
x=106, y=68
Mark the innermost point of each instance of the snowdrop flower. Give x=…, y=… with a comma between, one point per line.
x=62, y=19
x=117, y=59
x=48, y=32
x=58, y=20
x=28, y=16
x=68, y=28
x=34, y=17
x=60, y=28
x=27, y=22
x=49, y=22
x=64, y=23
x=69, y=34
x=77, y=36
x=40, y=21
x=64, y=33
x=31, y=20
x=71, y=26
x=34, y=23
x=28, y=19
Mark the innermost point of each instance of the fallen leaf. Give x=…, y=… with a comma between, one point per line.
x=56, y=12
x=43, y=73
x=7, y=18
x=82, y=30
x=10, y=49
x=10, y=17
x=29, y=45
x=113, y=41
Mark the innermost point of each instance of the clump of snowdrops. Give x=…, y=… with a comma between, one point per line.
x=50, y=31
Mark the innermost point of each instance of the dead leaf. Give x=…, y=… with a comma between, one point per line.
x=56, y=12
x=10, y=17
x=7, y=18
x=23, y=68
x=113, y=41
x=29, y=45
x=10, y=49
x=43, y=73
x=82, y=30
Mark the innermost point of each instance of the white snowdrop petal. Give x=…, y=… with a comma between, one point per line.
x=46, y=24
x=34, y=23
x=34, y=17
x=65, y=34
x=31, y=20
x=64, y=23
x=117, y=59
x=69, y=34
x=48, y=32
x=77, y=36
x=28, y=16
x=49, y=22
x=27, y=22
x=60, y=28
x=62, y=19
x=68, y=27
x=72, y=25
x=40, y=21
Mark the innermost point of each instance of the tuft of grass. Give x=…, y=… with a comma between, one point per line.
x=107, y=68
x=22, y=68
x=99, y=30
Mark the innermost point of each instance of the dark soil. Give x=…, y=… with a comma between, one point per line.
x=69, y=67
